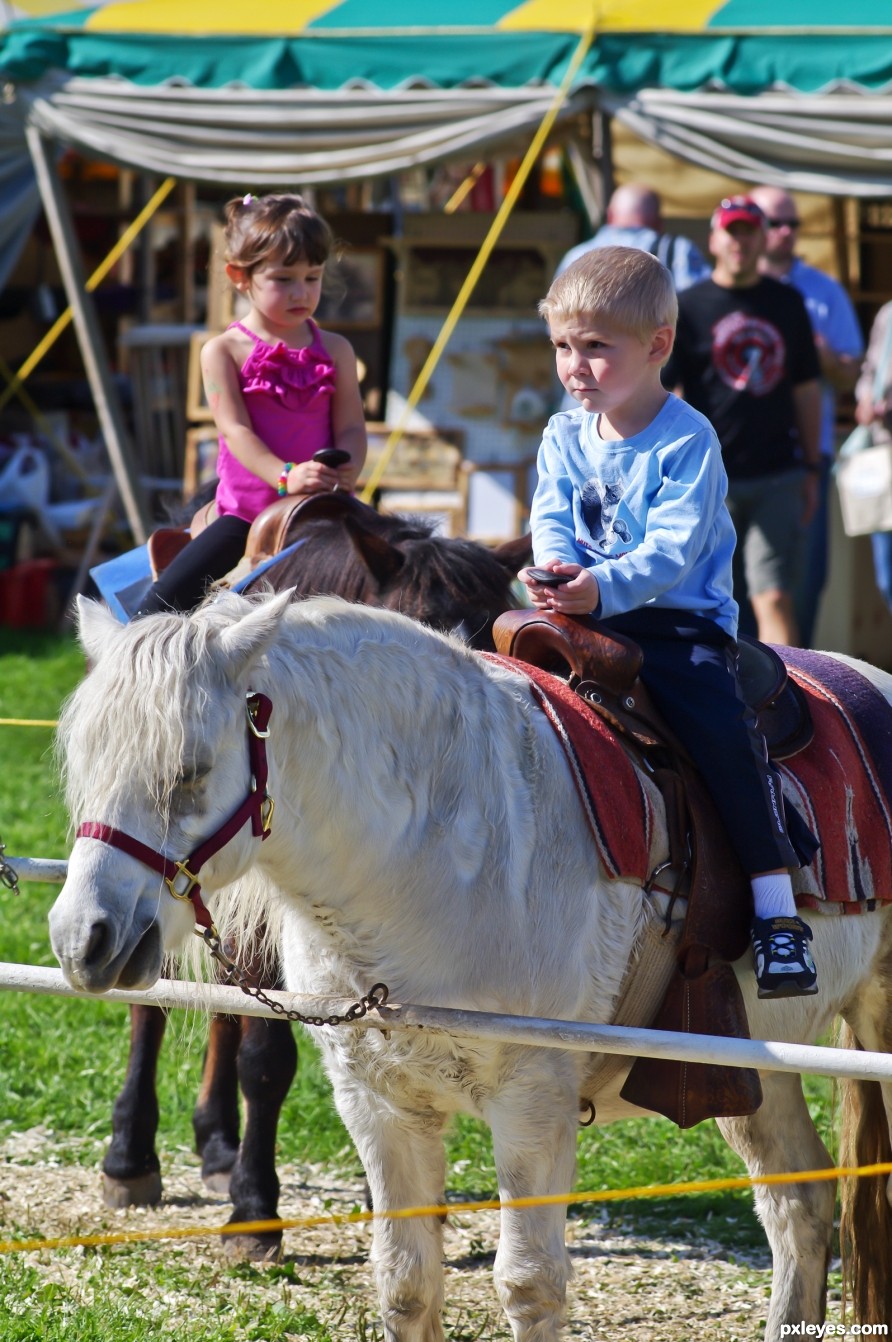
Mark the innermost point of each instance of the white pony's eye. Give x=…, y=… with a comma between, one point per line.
x=192, y=776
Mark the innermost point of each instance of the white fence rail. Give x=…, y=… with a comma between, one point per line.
x=537, y=1031
x=540, y=1032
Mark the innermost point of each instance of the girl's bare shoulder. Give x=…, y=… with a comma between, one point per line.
x=337, y=345
x=232, y=344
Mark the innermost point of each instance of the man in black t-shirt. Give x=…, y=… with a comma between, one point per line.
x=745, y=356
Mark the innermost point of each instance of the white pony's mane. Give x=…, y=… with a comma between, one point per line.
x=129, y=728
x=123, y=729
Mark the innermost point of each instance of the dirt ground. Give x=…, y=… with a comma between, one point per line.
x=627, y=1287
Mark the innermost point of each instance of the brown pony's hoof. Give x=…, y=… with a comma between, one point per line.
x=217, y=1182
x=143, y=1191
x=259, y=1248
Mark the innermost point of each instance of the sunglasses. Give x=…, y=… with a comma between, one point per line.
x=784, y=223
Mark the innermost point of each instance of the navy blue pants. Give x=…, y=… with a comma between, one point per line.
x=690, y=672
x=211, y=555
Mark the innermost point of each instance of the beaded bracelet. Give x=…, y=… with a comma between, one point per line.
x=282, y=483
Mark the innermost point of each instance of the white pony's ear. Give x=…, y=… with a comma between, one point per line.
x=95, y=626
x=241, y=643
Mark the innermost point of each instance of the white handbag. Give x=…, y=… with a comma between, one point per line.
x=864, y=482
x=863, y=472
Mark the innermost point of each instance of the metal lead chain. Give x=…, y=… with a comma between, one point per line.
x=375, y=997
x=8, y=876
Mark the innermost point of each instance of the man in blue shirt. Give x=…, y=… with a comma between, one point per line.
x=634, y=220
x=840, y=345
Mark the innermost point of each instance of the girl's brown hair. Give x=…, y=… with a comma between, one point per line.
x=282, y=227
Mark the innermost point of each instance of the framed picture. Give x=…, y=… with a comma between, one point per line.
x=197, y=407
x=353, y=291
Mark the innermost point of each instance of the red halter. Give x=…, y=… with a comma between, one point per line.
x=181, y=878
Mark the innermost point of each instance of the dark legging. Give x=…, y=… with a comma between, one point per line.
x=690, y=671
x=209, y=556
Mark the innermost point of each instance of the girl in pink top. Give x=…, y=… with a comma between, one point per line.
x=279, y=388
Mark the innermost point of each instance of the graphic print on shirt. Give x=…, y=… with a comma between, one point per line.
x=748, y=353
x=598, y=502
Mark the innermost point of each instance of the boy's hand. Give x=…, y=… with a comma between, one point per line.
x=579, y=595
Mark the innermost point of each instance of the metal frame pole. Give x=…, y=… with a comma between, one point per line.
x=89, y=335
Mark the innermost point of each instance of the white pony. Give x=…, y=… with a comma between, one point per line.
x=427, y=834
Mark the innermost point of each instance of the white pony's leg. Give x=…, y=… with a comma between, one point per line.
x=405, y=1164
x=798, y=1218
x=534, y=1125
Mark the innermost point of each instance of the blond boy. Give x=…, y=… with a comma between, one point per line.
x=629, y=520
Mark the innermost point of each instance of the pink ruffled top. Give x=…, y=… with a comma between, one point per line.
x=288, y=394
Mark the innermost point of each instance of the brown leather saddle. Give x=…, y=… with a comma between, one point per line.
x=603, y=667
x=269, y=532
x=703, y=996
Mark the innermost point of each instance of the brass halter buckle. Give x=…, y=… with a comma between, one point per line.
x=251, y=708
x=184, y=872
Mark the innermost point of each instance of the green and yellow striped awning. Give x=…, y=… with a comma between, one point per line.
x=744, y=46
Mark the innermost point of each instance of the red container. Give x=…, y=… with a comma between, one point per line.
x=26, y=594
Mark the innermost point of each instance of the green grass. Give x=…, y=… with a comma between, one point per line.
x=62, y=1062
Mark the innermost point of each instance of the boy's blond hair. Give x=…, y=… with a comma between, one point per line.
x=624, y=286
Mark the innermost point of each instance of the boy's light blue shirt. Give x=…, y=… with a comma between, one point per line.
x=647, y=515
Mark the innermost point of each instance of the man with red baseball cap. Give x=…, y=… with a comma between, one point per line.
x=737, y=210
x=745, y=357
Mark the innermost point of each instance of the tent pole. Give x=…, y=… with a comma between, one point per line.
x=89, y=335
x=602, y=151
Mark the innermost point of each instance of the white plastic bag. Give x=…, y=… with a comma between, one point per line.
x=25, y=480
x=864, y=482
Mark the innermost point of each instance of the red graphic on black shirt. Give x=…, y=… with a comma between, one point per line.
x=748, y=353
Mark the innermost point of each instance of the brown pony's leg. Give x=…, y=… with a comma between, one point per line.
x=267, y=1062
x=131, y=1173
x=215, y=1120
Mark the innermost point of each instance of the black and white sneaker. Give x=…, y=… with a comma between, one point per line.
x=784, y=966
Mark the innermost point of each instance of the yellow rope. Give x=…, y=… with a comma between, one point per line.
x=92, y=283
x=28, y=722
x=446, y=1209
x=480, y=261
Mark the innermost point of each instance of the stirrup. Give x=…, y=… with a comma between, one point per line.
x=784, y=964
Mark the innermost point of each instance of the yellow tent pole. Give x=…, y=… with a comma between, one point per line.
x=92, y=283
x=480, y=261
x=463, y=188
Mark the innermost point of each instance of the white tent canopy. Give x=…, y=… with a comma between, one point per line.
x=837, y=143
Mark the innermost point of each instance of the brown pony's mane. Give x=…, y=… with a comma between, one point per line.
x=399, y=563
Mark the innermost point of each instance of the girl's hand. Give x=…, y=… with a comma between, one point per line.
x=347, y=477
x=311, y=477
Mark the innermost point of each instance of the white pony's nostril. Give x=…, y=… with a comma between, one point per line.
x=96, y=945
